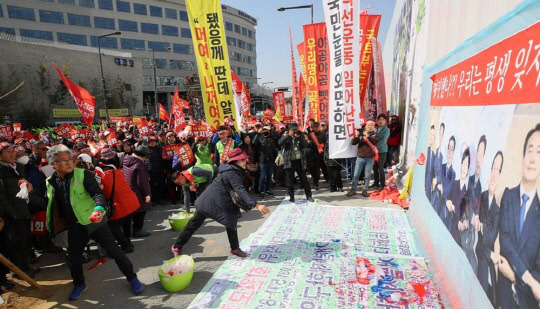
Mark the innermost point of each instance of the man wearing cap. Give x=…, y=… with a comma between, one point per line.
x=294, y=161
x=367, y=153
x=198, y=177
x=224, y=144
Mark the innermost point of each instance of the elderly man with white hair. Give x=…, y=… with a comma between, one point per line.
x=367, y=153
x=76, y=203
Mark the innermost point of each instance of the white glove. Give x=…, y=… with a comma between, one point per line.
x=23, y=194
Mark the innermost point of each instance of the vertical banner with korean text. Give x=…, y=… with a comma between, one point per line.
x=379, y=93
x=316, y=47
x=279, y=103
x=303, y=104
x=206, y=23
x=294, y=79
x=369, y=28
x=342, y=24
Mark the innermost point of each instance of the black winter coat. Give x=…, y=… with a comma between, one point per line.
x=267, y=146
x=286, y=142
x=216, y=203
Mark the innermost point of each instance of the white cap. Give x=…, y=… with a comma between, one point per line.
x=86, y=158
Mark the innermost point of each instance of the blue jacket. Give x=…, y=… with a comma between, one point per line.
x=384, y=134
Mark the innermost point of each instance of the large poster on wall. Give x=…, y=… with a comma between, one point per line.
x=482, y=173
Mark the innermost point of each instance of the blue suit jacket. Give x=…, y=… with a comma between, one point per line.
x=521, y=251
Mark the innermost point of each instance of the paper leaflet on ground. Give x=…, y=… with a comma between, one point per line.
x=305, y=256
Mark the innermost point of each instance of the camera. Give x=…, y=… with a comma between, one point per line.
x=360, y=130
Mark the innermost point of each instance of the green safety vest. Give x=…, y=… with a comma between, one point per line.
x=199, y=180
x=203, y=156
x=81, y=202
x=221, y=147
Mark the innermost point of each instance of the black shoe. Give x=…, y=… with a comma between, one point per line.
x=316, y=187
x=129, y=249
x=340, y=189
x=33, y=258
x=261, y=195
x=291, y=199
x=311, y=199
x=333, y=189
x=270, y=193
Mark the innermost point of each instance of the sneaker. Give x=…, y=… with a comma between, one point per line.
x=238, y=252
x=351, y=193
x=175, y=251
x=129, y=249
x=270, y=193
x=365, y=193
x=261, y=195
x=333, y=189
x=136, y=286
x=311, y=199
x=141, y=233
x=77, y=292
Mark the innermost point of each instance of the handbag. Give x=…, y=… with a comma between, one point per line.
x=110, y=202
x=237, y=200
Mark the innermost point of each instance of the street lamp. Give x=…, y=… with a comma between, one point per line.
x=103, y=88
x=166, y=49
x=299, y=7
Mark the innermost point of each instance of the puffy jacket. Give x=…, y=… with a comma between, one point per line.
x=136, y=174
x=364, y=150
x=267, y=147
x=125, y=200
x=216, y=203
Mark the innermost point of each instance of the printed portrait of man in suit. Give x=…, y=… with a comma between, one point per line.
x=519, y=228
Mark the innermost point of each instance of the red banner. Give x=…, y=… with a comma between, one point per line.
x=378, y=75
x=295, y=92
x=168, y=151
x=268, y=113
x=75, y=134
x=279, y=102
x=369, y=27
x=316, y=73
x=179, y=118
x=302, y=108
x=17, y=127
x=287, y=119
x=505, y=73
x=143, y=127
x=163, y=114
x=185, y=155
x=83, y=99
x=6, y=132
x=62, y=130
x=112, y=139
x=38, y=223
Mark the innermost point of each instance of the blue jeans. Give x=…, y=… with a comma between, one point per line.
x=265, y=179
x=361, y=163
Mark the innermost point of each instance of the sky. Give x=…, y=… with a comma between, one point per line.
x=273, y=47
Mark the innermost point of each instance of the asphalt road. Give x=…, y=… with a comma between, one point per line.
x=107, y=288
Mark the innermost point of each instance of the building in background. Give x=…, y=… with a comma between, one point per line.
x=148, y=28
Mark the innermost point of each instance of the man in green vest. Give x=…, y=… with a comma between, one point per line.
x=77, y=204
x=224, y=144
x=197, y=177
x=203, y=150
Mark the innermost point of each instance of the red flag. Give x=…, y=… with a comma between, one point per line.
x=84, y=101
x=295, y=93
x=317, y=69
x=176, y=98
x=369, y=28
x=178, y=113
x=163, y=114
x=240, y=87
x=62, y=130
x=143, y=127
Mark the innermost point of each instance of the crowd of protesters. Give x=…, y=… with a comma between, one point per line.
x=93, y=189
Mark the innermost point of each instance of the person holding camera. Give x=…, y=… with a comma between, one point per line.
x=265, y=141
x=293, y=144
x=366, y=139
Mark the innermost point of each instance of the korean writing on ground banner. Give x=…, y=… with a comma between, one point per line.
x=505, y=73
x=341, y=25
x=295, y=94
x=279, y=103
x=369, y=28
x=316, y=50
x=208, y=33
x=378, y=76
x=185, y=155
x=83, y=99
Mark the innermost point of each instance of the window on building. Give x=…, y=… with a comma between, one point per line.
x=1, y=11
x=171, y=14
x=242, y=44
x=107, y=42
x=18, y=12
x=253, y=73
x=127, y=25
x=72, y=2
x=7, y=30
x=149, y=28
x=51, y=17
x=228, y=26
x=79, y=20
x=87, y=3
x=161, y=63
x=253, y=60
x=235, y=56
x=132, y=44
x=105, y=5
x=231, y=41
x=183, y=49
x=184, y=16
x=249, y=46
x=158, y=46
x=123, y=6
x=244, y=31
x=37, y=34
x=250, y=34
x=156, y=11
x=139, y=9
x=237, y=29
x=186, y=33
x=182, y=65
x=70, y=38
x=104, y=23
x=169, y=30
x=246, y=59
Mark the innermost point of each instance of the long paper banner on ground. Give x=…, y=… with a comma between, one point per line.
x=206, y=22
x=295, y=97
x=342, y=24
x=369, y=28
x=316, y=53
